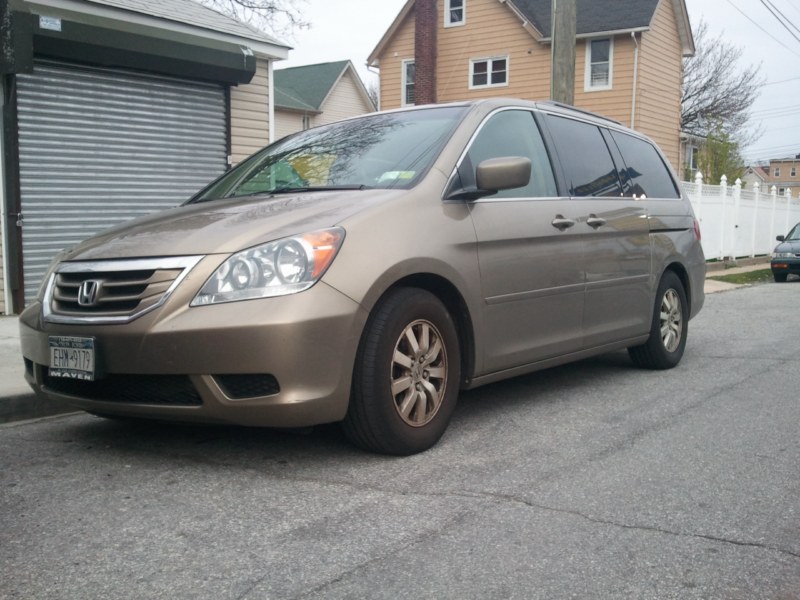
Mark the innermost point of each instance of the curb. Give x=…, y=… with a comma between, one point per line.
x=21, y=407
x=727, y=265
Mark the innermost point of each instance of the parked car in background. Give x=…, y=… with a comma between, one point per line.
x=786, y=256
x=367, y=270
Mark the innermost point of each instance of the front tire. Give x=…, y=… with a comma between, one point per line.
x=668, y=329
x=407, y=375
x=780, y=277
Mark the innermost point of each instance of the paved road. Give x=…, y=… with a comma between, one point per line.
x=594, y=480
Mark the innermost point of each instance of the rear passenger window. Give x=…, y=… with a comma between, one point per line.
x=645, y=172
x=514, y=133
x=583, y=153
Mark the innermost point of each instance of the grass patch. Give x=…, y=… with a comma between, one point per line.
x=747, y=278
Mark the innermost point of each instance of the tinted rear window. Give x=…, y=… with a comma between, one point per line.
x=588, y=168
x=645, y=172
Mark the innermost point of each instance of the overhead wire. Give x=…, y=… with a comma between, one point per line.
x=781, y=81
x=771, y=8
x=749, y=18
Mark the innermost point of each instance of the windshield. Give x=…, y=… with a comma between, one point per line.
x=390, y=150
x=794, y=234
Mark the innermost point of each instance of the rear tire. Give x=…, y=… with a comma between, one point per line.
x=668, y=329
x=406, y=377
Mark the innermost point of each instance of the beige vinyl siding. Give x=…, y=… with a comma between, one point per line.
x=658, y=100
x=492, y=31
x=287, y=121
x=250, y=114
x=399, y=48
x=614, y=103
x=345, y=100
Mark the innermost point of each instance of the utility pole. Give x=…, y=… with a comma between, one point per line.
x=562, y=69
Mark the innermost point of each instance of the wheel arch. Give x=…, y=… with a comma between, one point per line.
x=683, y=274
x=455, y=304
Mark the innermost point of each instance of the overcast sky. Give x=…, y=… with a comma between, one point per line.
x=350, y=29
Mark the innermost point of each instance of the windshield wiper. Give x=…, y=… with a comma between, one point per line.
x=317, y=188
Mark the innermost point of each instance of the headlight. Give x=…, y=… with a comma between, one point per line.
x=285, y=266
x=783, y=255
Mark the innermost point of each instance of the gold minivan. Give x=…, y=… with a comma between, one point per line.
x=367, y=270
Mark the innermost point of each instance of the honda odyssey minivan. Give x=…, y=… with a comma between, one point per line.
x=368, y=270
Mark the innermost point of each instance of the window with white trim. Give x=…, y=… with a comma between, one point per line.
x=455, y=12
x=777, y=171
x=599, y=64
x=409, y=76
x=793, y=172
x=488, y=72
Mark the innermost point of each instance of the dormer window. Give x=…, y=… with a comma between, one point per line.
x=455, y=12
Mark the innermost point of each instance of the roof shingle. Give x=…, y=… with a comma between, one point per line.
x=305, y=88
x=592, y=16
x=191, y=13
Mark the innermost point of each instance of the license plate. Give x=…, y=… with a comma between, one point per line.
x=72, y=357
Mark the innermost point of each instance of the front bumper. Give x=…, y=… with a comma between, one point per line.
x=197, y=364
x=785, y=266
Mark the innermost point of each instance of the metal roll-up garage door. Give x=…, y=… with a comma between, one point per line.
x=100, y=146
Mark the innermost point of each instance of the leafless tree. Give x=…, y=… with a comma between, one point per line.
x=281, y=17
x=373, y=93
x=717, y=90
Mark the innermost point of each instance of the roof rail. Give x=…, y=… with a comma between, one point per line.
x=580, y=110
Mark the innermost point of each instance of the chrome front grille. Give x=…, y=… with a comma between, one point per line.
x=114, y=291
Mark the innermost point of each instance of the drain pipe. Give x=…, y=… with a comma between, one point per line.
x=635, y=77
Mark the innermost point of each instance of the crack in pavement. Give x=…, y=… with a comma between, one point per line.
x=493, y=497
x=649, y=528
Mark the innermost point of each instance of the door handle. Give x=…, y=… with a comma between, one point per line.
x=561, y=223
x=595, y=221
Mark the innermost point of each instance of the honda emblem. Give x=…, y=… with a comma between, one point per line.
x=87, y=295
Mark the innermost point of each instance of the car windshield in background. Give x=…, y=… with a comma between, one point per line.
x=794, y=234
x=390, y=150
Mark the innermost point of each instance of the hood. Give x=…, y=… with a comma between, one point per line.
x=789, y=246
x=226, y=226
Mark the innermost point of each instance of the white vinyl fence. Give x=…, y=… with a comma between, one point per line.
x=737, y=223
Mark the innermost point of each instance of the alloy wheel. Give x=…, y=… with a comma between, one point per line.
x=419, y=373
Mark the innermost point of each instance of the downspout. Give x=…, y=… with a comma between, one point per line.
x=4, y=255
x=271, y=94
x=635, y=77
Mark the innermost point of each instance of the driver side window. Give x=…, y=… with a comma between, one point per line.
x=515, y=133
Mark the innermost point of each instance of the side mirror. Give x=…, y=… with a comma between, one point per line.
x=780, y=238
x=491, y=176
x=504, y=173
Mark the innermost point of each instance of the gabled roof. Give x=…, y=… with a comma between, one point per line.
x=178, y=15
x=759, y=171
x=593, y=17
x=306, y=88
